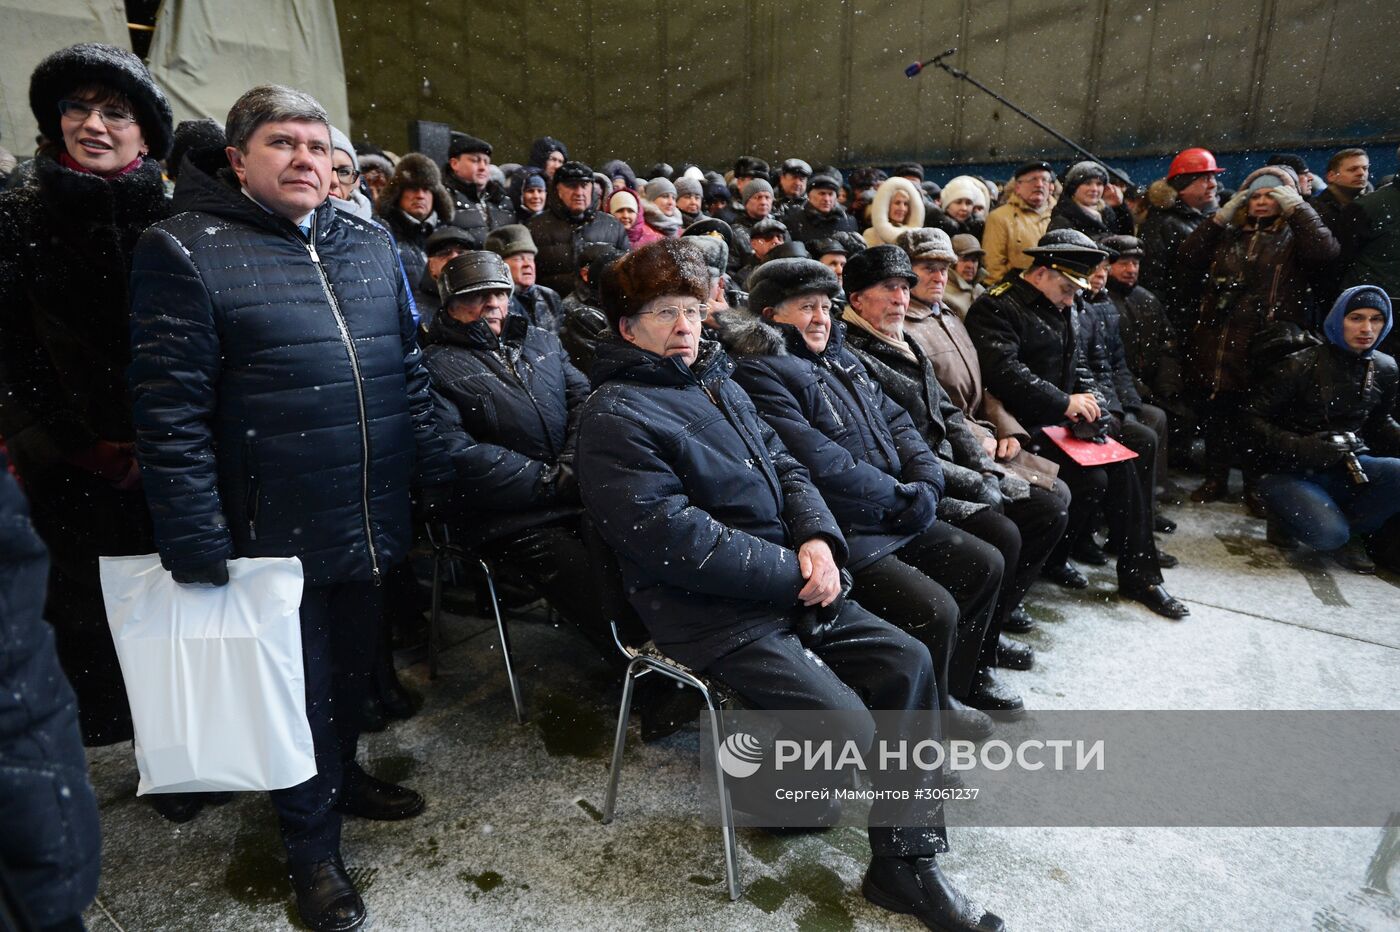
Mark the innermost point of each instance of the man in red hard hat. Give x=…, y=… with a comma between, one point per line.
x=1178, y=204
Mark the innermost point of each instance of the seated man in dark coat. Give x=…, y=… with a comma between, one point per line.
x=583, y=318
x=568, y=223
x=412, y=206
x=541, y=305
x=880, y=478
x=506, y=400
x=728, y=551
x=1028, y=353
x=1151, y=349
x=1025, y=521
x=1324, y=431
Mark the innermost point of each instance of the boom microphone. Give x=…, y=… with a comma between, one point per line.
x=918, y=66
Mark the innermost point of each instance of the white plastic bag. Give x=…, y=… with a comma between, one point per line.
x=214, y=674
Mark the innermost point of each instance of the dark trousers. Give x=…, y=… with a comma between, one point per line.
x=1155, y=420
x=1142, y=440
x=554, y=559
x=1222, y=428
x=80, y=517
x=339, y=632
x=941, y=587
x=1036, y=523
x=862, y=663
x=1117, y=489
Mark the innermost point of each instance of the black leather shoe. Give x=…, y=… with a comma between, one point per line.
x=1018, y=622
x=1212, y=490
x=1276, y=535
x=962, y=722
x=1066, y=575
x=1354, y=558
x=993, y=696
x=371, y=798
x=1087, y=551
x=1254, y=503
x=1158, y=599
x=916, y=887
x=178, y=807
x=1163, y=524
x=326, y=899
x=1166, y=561
x=396, y=699
x=1013, y=655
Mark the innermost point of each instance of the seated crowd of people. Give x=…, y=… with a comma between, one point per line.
x=806, y=409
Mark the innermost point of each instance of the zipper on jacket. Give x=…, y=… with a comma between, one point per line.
x=359, y=398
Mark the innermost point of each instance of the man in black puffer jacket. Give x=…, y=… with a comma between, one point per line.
x=282, y=409
x=569, y=222
x=881, y=479
x=506, y=400
x=1323, y=419
x=480, y=205
x=731, y=557
x=51, y=847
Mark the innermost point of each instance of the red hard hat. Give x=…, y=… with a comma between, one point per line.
x=1193, y=162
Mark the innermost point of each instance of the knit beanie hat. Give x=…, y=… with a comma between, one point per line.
x=624, y=198
x=755, y=186
x=659, y=187
x=1081, y=173
x=686, y=186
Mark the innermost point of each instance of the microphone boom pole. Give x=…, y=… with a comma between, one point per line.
x=961, y=75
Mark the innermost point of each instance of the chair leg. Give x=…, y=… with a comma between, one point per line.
x=505, y=644
x=726, y=810
x=620, y=741
x=435, y=617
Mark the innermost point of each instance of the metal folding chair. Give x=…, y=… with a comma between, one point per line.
x=444, y=554
x=643, y=660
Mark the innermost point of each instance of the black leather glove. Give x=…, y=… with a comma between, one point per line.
x=434, y=501
x=1322, y=450
x=561, y=480
x=210, y=574
x=815, y=622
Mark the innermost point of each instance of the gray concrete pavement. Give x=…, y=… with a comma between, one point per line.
x=512, y=839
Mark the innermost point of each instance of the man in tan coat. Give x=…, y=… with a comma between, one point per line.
x=1020, y=222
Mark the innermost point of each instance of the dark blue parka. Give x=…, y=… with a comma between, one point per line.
x=51, y=844
x=281, y=403
x=866, y=457
x=698, y=497
x=507, y=408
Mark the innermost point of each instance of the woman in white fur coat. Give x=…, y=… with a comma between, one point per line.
x=898, y=206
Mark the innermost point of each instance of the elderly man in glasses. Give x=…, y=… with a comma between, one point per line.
x=732, y=559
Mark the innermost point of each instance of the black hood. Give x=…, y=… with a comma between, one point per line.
x=616, y=359
x=219, y=194
x=744, y=334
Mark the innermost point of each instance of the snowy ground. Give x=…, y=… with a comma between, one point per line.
x=512, y=838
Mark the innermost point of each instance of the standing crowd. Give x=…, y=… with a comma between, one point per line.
x=811, y=416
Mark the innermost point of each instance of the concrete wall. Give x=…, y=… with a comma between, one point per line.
x=707, y=80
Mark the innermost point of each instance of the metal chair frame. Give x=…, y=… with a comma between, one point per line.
x=445, y=553
x=648, y=659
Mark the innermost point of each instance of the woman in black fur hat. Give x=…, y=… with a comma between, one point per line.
x=65, y=414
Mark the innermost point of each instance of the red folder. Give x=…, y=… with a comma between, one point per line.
x=1087, y=452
